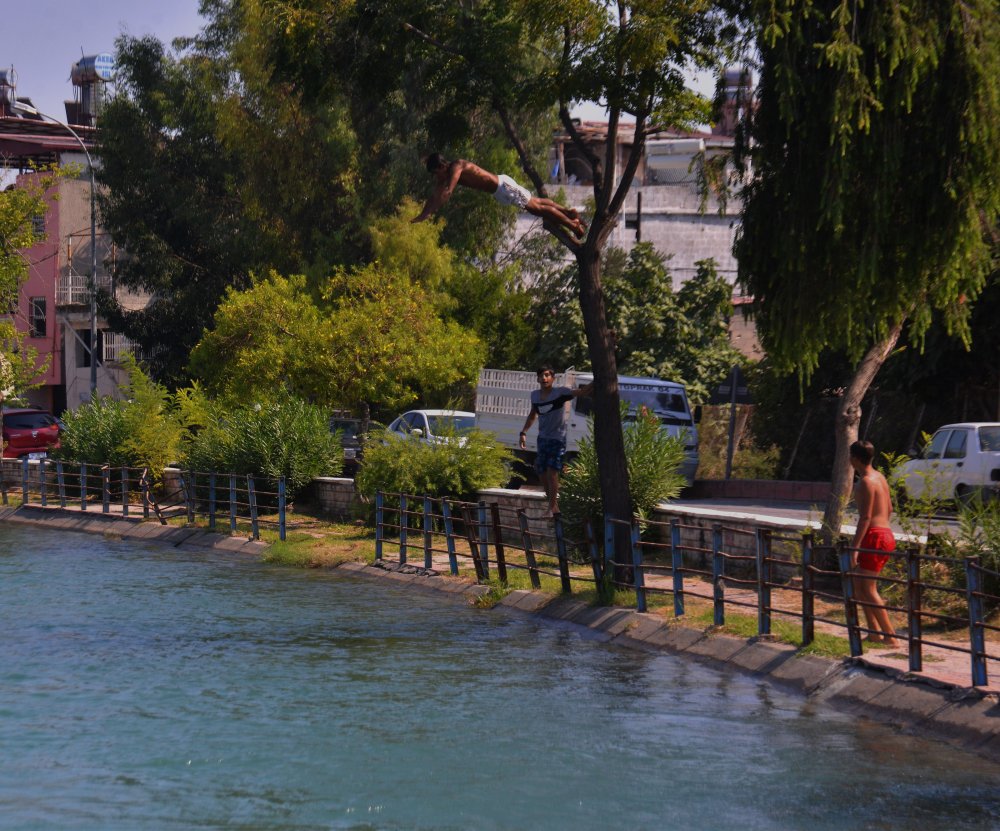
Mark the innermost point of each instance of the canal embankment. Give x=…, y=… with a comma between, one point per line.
x=966, y=717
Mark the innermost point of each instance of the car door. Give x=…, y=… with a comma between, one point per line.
x=952, y=467
x=922, y=474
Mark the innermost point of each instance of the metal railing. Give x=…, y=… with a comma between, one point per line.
x=651, y=558
x=222, y=499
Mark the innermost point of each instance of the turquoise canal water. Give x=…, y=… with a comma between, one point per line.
x=151, y=688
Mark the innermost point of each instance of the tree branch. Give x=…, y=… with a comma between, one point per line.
x=634, y=157
x=580, y=144
x=444, y=47
x=522, y=153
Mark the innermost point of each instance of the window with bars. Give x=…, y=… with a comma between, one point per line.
x=38, y=225
x=37, y=320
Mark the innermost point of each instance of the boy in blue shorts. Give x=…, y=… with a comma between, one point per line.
x=548, y=405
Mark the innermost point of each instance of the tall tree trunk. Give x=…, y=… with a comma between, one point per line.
x=610, y=444
x=846, y=430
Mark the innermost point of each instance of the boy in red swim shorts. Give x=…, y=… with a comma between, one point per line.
x=873, y=535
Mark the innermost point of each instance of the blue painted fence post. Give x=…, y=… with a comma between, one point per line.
x=677, y=566
x=564, y=578
x=106, y=488
x=403, y=520
x=83, y=487
x=808, y=591
x=718, y=575
x=281, y=507
x=379, y=529
x=124, y=491
x=232, y=503
x=595, y=558
x=977, y=634
x=763, y=552
x=252, y=499
x=211, y=502
x=24, y=480
x=449, y=533
x=484, y=539
x=609, y=544
x=637, y=575
x=850, y=607
x=428, y=539
x=144, y=489
x=42, y=489
x=914, y=619
x=189, y=494
x=61, y=484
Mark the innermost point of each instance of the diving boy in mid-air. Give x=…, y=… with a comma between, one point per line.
x=448, y=175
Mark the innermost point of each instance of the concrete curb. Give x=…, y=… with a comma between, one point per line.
x=963, y=717
x=66, y=519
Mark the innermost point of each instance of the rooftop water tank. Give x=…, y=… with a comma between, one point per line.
x=93, y=68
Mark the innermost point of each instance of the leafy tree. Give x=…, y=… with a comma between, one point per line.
x=682, y=336
x=372, y=339
x=514, y=63
x=873, y=146
x=211, y=173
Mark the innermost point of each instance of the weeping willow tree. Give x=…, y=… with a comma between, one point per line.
x=874, y=151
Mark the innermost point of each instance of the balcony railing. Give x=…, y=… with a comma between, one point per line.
x=74, y=289
x=115, y=347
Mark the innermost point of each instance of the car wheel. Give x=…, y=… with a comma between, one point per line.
x=966, y=497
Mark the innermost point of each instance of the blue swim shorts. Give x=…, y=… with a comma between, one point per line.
x=550, y=455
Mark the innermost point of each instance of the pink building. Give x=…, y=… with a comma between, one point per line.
x=53, y=310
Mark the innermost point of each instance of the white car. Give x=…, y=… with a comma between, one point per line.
x=433, y=426
x=960, y=462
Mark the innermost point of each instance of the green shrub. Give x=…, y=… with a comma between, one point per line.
x=456, y=466
x=96, y=433
x=287, y=437
x=145, y=430
x=653, y=458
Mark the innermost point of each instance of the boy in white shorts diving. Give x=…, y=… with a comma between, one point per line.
x=448, y=175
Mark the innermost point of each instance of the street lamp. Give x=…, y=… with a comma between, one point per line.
x=20, y=105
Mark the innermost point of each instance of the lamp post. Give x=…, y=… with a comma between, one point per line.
x=20, y=105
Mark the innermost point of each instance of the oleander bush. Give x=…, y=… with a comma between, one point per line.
x=454, y=466
x=653, y=458
x=285, y=437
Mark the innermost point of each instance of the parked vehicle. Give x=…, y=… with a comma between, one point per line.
x=503, y=400
x=350, y=439
x=29, y=432
x=960, y=462
x=433, y=426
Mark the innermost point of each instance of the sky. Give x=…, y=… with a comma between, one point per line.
x=42, y=39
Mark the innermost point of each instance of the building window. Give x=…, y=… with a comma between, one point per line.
x=37, y=321
x=38, y=225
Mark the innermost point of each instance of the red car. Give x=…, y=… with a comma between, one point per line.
x=31, y=433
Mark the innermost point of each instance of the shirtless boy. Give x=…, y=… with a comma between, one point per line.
x=506, y=191
x=873, y=535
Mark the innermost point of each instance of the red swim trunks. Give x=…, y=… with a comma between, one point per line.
x=877, y=539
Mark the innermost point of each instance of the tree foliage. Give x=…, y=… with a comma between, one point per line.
x=875, y=170
x=680, y=335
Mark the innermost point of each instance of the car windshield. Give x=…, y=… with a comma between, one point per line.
x=665, y=403
x=27, y=421
x=989, y=439
x=349, y=429
x=450, y=424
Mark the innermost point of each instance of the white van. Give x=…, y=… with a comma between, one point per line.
x=503, y=401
